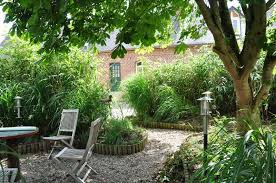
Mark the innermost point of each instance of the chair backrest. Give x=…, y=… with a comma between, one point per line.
x=6, y=173
x=93, y=135
x=68, y=122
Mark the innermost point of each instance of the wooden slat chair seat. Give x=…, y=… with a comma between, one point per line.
x=67, y=153
x=81, y=169
x=8, y=175
x=66, y=131
x=57, y=138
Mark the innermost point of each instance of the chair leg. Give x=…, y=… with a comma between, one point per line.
x=94, y=171
x=50, y=155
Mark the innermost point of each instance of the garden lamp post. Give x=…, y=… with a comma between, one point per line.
x=18, y=106
x=205, y=112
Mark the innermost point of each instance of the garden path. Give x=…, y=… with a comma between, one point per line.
x=139, y=167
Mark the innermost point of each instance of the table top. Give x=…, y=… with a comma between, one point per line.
x=7, y=133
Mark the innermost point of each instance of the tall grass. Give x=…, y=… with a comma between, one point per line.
x=171, y=107
x=233, y=158
x=47, y=87
x=120, y=131
x=139, y=95
x=170, y=92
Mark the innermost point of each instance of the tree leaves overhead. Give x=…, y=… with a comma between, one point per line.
x=59, y=24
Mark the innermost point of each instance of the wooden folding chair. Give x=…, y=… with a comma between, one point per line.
x=8, y=175
x=67, y=129
x=80, y=156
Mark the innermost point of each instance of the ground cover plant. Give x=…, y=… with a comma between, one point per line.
x=61, y=81
x=230, y=158
x=120, y=132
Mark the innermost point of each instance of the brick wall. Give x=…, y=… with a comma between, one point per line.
x=128, y=64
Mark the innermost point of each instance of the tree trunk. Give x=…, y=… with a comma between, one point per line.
x=248, y=114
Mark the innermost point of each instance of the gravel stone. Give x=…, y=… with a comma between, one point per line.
x=135, y=168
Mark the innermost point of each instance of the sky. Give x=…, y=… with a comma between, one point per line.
x=4, y=28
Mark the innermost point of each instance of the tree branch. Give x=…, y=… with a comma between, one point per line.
x=206, y=13
x=227, y=62
x=254, y=37
x=267, y=78
x=227, y=27
x=269, y=4
x=244, y=8
x=221, y=47
x=215, y=13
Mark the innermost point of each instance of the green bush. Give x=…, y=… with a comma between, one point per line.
x=230, y=157
x=179, y=166
x=48, y=86
x=170, y=92
x=118, y=132
x=171, y=107
x=250, y=158
x=139, y=95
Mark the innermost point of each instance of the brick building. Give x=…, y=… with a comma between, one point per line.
x=113, y=71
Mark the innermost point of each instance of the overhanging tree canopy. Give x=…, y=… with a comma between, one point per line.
x=61, y=23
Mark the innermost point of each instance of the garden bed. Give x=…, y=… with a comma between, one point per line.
x=34, y=147
x=108, y=149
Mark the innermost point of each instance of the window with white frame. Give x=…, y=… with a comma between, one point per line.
x=236, y=25
x=139, y=67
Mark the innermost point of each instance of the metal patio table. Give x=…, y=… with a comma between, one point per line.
x=11, y=135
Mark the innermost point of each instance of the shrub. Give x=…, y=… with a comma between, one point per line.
x=170, y=92
x=171, y=107
x=179, y=166
x=48, y=86
x=250, y=158
x=230, y=157
x=118, y=132
x=139, y=95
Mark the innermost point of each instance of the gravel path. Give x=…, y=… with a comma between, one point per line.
x=139, y=167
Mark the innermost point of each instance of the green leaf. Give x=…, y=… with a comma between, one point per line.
x=181, y=48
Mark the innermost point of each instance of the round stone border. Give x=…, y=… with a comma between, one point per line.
x=107, y=149
x=186, y=127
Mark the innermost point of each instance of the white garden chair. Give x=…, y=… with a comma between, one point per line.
x=8, y=175
x=79, y=156
x=66, y=130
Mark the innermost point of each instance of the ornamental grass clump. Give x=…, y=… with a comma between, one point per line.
x=231, y=158
x=171, y=107
x=239, y=158
x=121, y=132
x=61, y=81
x=250, y=158
x=138, y=93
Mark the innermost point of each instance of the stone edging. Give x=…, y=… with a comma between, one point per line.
x=162, y=125
x=107, y=149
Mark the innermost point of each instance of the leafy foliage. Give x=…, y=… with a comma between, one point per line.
x=180, y=165
x=250, y=158
x=61, y=24
x=138, y=93
x=62, y=81
x=171, y=107
x=170, y=92
x=230, y=158
x=120, y=131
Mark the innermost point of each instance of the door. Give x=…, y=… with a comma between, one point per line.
x=115, y=76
